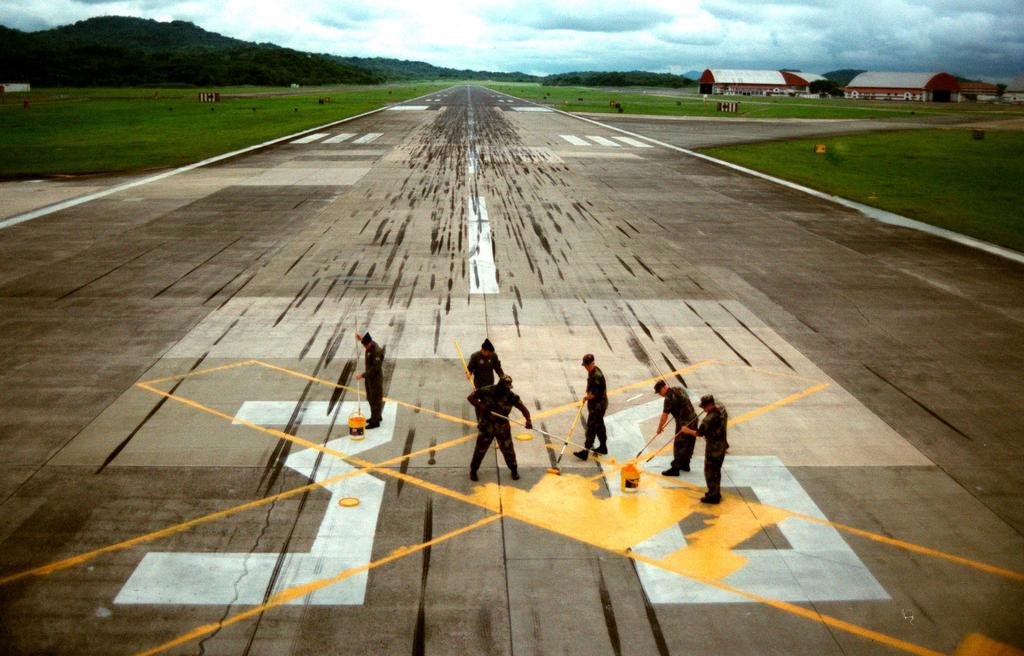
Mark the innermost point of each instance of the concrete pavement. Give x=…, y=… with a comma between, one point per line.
x=179, y=370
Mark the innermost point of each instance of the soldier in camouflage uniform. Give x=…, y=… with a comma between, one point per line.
x=678, y=406
x=597, y=405
x=373, y=378
x=713, y=430
x=482, y=366
x=494, y=404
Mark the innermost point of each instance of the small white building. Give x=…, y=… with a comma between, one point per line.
x=15, y=87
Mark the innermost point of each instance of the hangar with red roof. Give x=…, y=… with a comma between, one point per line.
x=924, y=87
x=734, y=82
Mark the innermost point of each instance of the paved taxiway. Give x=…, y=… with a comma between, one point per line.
x=178, y=367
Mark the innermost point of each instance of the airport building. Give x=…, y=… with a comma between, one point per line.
x=979, y=91
x=923, y=87
x=731, y=82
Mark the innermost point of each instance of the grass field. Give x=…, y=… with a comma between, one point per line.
x=941, y=177
x=76, y=131
x=582, y=99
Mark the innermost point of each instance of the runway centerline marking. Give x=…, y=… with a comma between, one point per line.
x=483, y=272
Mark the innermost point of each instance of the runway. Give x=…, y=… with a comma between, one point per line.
x=179, y=367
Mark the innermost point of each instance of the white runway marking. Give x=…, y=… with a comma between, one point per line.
x=483, y=273
x=818, y=566
x=344, y=540
x=311, y=138
x=345, y=136
x=602, y=141
x=369, y=138
x=574, y=140
x=633, y=142
x=530, y=109
x=408, y=108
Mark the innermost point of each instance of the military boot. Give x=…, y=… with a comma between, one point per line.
x=582, y=454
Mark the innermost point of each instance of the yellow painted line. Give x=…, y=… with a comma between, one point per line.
x=627, y=388
x=916, y=548
x=298, y=591
x=877, y=537
x=198, y=372
x=220, y=514
x=358, y=462
x=331, y=383
x=778, y=404
x=800, y=611
x=767, y=372
x=732, y=422
x=481, y=500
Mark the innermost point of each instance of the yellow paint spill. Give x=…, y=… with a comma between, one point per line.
x=525, y=437
x=349, y=502
x=976, y=644
x=567, y=505
x=709, y=552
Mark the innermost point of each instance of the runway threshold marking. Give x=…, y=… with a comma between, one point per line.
x=221, y=514
x=498, y=506
x=483, y=503
x=298, y=591
x=747, y=416
x=183, y=526
x=992, y=569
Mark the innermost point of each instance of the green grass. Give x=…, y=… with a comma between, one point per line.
x=582, y=99
x=941, y=177
x=76, y=131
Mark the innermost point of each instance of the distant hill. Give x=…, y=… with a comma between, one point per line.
x=123, y=51
x=617, y=79
x=843, y=76
x=119, y=51
x=143, y=34
x=396, y=70
x=693, y=75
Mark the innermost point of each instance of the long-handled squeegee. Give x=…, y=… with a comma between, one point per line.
x=554, y=469
x=692, y=419
x=542, y=432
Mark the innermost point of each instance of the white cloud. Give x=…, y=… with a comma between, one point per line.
x=970, y=37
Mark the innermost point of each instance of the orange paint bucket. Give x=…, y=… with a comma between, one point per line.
x=356, y=426
x=630, y=478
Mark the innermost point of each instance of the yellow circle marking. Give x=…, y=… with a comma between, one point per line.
x=348, y=502
x=525, y=437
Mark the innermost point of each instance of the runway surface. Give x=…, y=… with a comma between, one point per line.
x=179, y=368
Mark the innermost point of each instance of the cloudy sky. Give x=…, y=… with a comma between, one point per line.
x=977, y=38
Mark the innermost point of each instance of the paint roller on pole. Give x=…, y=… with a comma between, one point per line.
x=465, y=368
x=538, y=430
